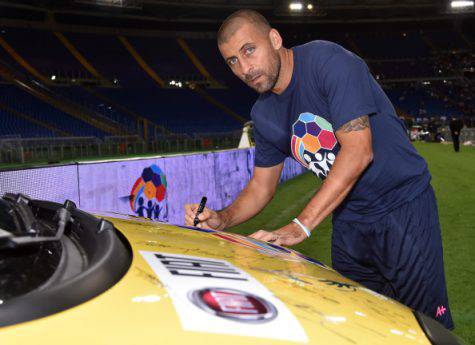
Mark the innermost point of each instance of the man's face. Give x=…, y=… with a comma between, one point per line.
x=252, y=58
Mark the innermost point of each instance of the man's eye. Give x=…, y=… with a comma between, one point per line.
x=232, y=61
x=250, y=50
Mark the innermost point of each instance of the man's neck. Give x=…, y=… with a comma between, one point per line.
x=286, y=70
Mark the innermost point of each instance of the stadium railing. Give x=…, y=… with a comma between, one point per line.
x=54, y=150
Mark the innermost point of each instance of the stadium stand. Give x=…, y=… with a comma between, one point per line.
x=391, y=45
x=447, y=40
x=393, y=58
x=179, y=110
x=43, y=51
x=13, y=124
x=23, y=102
x=161, y=85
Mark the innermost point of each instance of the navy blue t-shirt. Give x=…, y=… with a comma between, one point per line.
x=331, y=86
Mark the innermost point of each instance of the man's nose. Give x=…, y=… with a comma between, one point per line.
x=246, y=67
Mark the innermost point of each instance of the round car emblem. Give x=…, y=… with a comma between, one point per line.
x=233, y=304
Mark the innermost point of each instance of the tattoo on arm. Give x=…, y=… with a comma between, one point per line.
x=356, y=125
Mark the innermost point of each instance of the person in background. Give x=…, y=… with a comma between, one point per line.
x=456, y=125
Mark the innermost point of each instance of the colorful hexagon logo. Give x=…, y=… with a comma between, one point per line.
x=314, y=144
x=148, y=194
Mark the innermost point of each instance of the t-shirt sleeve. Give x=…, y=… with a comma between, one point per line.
x=267, y=155
x=347, y=84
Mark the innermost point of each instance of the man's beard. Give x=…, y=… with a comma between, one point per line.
x=269, y=79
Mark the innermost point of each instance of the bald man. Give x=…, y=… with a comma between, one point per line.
x=320, y=105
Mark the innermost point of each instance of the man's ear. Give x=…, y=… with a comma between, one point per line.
x=275, y=39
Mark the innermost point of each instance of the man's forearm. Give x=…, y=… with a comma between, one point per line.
x=342, y=177
x=249, y=203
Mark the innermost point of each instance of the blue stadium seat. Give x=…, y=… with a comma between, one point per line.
x=13, y=125
x=28, y=104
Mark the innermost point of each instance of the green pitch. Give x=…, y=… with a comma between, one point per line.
x=454, y=183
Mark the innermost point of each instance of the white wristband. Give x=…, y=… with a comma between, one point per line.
x=304, y=228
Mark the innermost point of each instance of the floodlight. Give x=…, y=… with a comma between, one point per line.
x=296, y=6
x=461, y=3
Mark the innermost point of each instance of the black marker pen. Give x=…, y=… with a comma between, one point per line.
x=200, y=209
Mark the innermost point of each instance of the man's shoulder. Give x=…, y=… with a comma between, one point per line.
x=319, y=49
x=319, y=52
x=321, y=45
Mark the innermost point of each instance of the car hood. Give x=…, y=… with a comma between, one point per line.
x=158, y=299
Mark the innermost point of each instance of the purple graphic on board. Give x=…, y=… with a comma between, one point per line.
x=107, y=186
x=148, y=194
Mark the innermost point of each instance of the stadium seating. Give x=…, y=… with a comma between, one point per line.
x=31, y=106
x=13, y=125
x=179, y=110
x=446, y=40
x=391, y=45
x=395, y=56
x=79, y=95
x=42, y=50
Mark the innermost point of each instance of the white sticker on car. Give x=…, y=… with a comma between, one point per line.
x=212, y=295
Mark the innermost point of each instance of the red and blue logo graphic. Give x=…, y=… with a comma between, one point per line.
x=314, y=144
x=148, y=195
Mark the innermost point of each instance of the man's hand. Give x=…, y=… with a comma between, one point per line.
x=288, y=235
x=209, y=219
x=250, y=201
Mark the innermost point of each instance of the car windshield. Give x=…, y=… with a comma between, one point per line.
x=24, y=268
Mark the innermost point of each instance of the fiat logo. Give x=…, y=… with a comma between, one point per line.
x=233, y=304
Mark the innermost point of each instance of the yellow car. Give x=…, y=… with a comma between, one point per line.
x=68, y=277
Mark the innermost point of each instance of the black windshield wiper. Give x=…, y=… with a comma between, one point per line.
x=30, y=235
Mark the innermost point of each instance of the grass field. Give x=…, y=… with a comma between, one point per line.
x=453, y=178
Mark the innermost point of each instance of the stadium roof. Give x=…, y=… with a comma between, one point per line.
x=206, y=15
